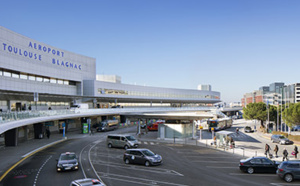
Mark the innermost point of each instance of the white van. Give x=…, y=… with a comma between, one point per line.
x=121, y=141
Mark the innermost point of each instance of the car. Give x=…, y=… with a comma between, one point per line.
x=67, y=161
x=296, y=128
x=248, y=129
x=275, y=138
x=121, y=141
x=142, y=156
x=87, y=182
x=258, y=165
x=289, y=170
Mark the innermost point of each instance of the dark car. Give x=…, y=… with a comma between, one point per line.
x=248, y=129
x=87, y=182
x=280, y=139
x=141, y=156
x=289, y=170
x=258, y=164
x=296, y=128
x=67, y=161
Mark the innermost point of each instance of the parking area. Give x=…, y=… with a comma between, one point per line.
x=182, y=165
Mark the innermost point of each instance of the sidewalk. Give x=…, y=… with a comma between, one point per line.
x=12, y=155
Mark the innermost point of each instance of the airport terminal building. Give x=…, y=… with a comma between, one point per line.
x=35, y=75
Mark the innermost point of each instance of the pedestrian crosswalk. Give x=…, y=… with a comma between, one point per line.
x=148, y=143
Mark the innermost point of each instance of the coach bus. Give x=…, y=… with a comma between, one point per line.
x=219, y=124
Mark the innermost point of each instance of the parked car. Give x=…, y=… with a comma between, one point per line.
x=289, y=170
x=280, y=139
x=141, y=156
x=296, y=128
x=258, y=164
x=248, y=129
x=87, y=182
x=121, y=141
x=67, y=161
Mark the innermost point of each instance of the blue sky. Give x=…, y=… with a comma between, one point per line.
x=236, y=46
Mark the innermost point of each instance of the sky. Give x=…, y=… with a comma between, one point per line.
x=236, y=46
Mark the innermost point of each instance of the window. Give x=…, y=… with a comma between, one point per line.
x=31, y=78
x=60, y=81
x=52, y=80
x=40, y=79
x=66, y=82
x=15, y=75
x=7, y=74
x=23, y=76
x=46, y=80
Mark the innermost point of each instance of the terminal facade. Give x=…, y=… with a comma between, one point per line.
x=37, y=76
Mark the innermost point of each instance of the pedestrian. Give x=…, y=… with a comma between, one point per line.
x=296, y=151
x=276, y=150
x=48, y=133
x=285, y=154
x=267, y=150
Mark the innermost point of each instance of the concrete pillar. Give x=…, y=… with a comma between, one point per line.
x=11, y=137
x=8, y=105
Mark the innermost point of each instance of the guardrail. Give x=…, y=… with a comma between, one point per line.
x=13, y=116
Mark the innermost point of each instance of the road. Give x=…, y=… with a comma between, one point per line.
x=182, y=165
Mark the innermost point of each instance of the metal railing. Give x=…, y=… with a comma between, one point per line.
x=13, y=116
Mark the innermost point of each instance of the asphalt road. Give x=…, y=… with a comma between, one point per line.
x=182, y=165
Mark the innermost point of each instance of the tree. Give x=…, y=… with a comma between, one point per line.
x=256, y=111
x=291, y=115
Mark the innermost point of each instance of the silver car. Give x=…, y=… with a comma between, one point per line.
x=121, y=141
x=280, y=139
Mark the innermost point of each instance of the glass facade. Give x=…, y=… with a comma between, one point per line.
x=154, y=94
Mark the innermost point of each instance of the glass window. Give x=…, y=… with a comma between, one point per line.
x=7, y=74
x=52, y=80
x=1, y=72
x=31, y=78
x=46, y=80
x=60, y=81
x=66, y=82
x=23, y=76
x=39, y=79
x=14, y=75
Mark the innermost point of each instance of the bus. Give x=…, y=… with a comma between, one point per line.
x=219, y=124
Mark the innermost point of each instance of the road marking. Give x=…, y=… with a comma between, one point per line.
x=24, y=157
x=139, y=168
x=38, y=173
x=136, y=180
x=280, y=184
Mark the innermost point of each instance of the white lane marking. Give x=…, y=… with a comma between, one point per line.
x=38, y=173
x=151, y=143
x=137, y=180
x=246, y=174
x=138, y=168
x=146, y=143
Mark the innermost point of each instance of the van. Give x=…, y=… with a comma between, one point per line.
x=121, y=141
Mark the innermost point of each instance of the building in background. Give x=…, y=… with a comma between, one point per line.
x=204, y=87
x=275, y=94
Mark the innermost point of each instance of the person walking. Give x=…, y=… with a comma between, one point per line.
x=267, y=150
x=296, y=151
x=285, y=155
x=276, y=150
x=48, y=133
